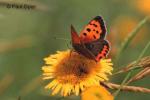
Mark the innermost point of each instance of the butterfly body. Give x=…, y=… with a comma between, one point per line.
x=91, y=42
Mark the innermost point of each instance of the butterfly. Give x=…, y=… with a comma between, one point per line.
x=91, y=41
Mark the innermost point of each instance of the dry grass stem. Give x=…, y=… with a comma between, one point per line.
x=142, y=63
x=145, y=72
x=128, y=88
x=22, y=42
x=34, y=4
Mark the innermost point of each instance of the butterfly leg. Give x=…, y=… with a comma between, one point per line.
x=71, y=51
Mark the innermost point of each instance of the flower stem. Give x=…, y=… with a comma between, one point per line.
x=125, y=82
x=122, y=84
x=131, y=35
x=144, y=50
x=128, y=88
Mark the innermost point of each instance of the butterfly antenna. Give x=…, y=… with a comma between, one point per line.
x=56, y=38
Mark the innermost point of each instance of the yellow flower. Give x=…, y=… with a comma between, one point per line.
x=96, y=93
x=71, y=72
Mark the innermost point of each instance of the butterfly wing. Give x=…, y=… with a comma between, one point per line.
x=94, y=30
x=74, y=36
x=78, y=45
x=99, y=49
x=93, y=37
x=91, y=42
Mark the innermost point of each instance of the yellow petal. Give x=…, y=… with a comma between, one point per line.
x=57, y=89
x=77, y=89
x=52, y=84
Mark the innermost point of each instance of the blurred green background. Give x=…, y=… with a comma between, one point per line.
x=27, y=36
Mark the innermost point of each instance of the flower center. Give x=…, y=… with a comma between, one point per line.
x=74, y=68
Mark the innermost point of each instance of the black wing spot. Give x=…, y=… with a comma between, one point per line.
x=100, y=57
x=106, y=50
x=94, y=36
x=95, y=25
x=97, y=32
x=84, y=34
x=104, y=53
x=93, y=29
x=88, y=29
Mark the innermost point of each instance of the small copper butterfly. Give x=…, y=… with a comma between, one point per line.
x=91, y=41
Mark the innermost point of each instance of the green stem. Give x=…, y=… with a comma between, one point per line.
x=144, y=50
x=122, y=84
x=123, y=47
x=131, y=35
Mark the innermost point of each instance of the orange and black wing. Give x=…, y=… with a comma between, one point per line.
x=94, y=30
x=79, y=46
x=91, y=42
